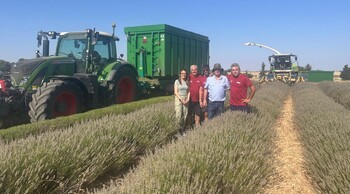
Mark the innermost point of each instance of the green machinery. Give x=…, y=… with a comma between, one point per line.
x=84, y=73
x=159, y=52
x=283, y=67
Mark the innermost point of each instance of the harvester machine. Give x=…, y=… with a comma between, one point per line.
x=283, y=67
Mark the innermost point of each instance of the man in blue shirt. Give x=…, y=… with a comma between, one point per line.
x=216, y=86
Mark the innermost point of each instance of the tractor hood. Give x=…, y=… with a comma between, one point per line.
x=25, y=67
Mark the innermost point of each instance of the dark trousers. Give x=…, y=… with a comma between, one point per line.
x=215, y=108
x=240, y=108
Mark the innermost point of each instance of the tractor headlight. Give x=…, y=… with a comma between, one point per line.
x=23, y=80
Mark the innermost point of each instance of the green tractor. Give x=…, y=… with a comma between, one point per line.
x=84, y=73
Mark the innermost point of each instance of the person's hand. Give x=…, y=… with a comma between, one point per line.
x=201, y=104
x=204, y=103
x=246, y=100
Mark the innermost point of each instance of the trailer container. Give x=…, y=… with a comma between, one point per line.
x=318, y=76
x=161, y=51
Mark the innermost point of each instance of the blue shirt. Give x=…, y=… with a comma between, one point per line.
x=217, y=88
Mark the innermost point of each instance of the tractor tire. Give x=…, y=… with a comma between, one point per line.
x=125, y=89
x=55, y=99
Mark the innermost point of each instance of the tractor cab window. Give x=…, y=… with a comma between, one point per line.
x=105, y=47
x=71, y=46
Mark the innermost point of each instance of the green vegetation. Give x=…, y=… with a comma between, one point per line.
x=5, y=66
x=345, y=74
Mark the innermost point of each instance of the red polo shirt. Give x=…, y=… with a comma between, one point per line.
x=195, y=83
x=238, y=89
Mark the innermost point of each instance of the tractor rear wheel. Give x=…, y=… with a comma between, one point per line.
x=125, y=89
x=55, y=99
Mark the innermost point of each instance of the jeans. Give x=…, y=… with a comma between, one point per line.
x=215, y=108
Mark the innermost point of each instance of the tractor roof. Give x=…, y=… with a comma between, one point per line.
x=84, y=32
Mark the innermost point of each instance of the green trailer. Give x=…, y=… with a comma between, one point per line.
x=161, y=51
x=318, y=76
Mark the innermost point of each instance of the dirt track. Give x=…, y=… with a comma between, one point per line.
x=290, y=176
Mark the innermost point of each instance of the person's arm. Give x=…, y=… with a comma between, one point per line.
x=176, y=93
x=188, y=98
x=205, y=97
x=251, y=94
x=201, y=94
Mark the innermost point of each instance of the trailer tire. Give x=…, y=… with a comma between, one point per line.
x=55, y=99
x=125, y=89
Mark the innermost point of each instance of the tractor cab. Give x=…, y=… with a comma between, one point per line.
x=90, y=49
x=283, y=62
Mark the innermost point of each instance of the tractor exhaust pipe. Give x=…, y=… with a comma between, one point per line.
x=45, y=42
x=46, y=47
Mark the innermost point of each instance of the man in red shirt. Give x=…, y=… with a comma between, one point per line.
x=195, y=83
x=239, y=85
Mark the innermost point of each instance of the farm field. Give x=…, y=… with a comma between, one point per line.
x=296, y=140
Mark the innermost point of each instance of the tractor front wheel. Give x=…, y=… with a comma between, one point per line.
x=125, y=86
x=55, y=99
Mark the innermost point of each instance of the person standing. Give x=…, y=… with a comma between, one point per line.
x=182, y=96
x=194, y=106
x=239, y=85
x=204, y=109
x=216, y=87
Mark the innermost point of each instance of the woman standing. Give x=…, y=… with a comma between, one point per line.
x=182, y=96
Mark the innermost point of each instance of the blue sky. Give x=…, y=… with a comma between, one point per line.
x=315, y=30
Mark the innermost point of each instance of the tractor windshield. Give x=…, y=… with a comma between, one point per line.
x=281, y=62
x=72, y=45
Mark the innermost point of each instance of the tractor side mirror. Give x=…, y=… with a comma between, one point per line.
x=121, y=55
x=39, y=38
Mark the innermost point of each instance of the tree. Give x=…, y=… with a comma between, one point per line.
x=262, y=72
x=5, y=66
x=345, y=74
x=308, y=67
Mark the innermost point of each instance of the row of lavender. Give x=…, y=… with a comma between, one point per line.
x=323, y=121
x=232, y=153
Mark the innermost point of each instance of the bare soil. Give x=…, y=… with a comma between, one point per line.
x=290, y=175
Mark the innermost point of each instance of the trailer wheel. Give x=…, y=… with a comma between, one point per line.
x=55, y=99
x=125, y=86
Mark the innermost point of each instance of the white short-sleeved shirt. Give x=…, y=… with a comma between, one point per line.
x=217, y=88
